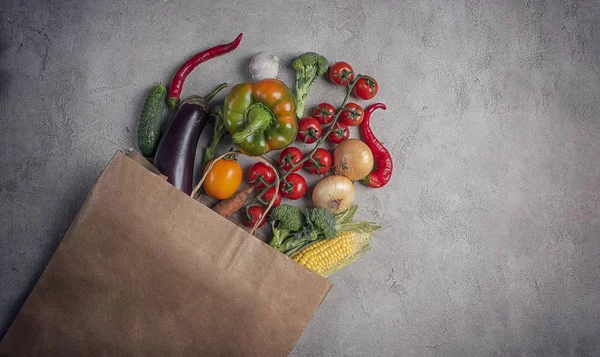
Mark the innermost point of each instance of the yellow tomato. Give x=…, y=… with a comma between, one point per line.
x=223, y=179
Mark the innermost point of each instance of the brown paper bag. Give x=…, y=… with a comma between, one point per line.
x=145, y=270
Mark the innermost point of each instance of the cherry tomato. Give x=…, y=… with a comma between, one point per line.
x=309, y=130
x=320, y=162
x=366, y=88
x=289, y=157
x=352, y=114
x=324, y=113
x=266, y=198
x=253, y=214
x=223, y=179
x=261, y=175
x=339, y=133
x=293, y=186
x=341, y=73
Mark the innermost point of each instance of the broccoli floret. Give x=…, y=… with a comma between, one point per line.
x=308, y=67
x=287, y=217
x=285, y=221
x=216, y=113
x=319, y=224
x=312, y=225
x=323, y=222
x=293, y=229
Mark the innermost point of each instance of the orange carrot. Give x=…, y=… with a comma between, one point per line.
x=228, y=207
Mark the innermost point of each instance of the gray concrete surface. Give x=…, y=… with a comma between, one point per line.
x=491, y=230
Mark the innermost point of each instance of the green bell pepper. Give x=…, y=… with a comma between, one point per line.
x=261, y=116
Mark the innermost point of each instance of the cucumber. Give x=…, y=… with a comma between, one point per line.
x=149, y=127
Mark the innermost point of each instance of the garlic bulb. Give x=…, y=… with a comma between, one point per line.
x=264, y=65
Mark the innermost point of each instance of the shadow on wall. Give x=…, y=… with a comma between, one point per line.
x=243, y=69
x=4, y=75
x=34, y=26
x=14, y=307
x=4, y=84
x=63, y=217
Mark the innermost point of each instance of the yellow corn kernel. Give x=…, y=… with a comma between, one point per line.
x=324, y=255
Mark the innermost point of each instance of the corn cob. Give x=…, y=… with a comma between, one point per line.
x=328, y=256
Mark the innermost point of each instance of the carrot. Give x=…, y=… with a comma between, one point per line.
x=230, y=206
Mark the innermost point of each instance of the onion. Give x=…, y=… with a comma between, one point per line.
x=335, y=193
x=353, y=159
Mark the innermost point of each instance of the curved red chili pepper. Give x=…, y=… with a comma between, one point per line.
x=186, y=69
x=382, y=174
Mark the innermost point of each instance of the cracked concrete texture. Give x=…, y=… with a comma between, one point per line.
x=490, y=244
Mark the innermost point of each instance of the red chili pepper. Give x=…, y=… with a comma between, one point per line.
x=186, y=69
x=382, y=174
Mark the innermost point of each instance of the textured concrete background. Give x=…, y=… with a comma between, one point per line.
x=490, y=243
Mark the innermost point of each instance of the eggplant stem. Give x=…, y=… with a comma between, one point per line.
x=215, y=91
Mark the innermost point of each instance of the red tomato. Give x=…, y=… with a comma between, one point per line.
x=366, y=88
x=293, y=186
x=253, y=214
x=324, y=113
x=339, y=133
x=341, y=73
x=320, y=162
x=309, y=130
x=289, y=157
x=352, y=114
x=268, y=196
x=261, y=175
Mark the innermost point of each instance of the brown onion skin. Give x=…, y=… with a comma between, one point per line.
x=353, y=159
x=334, y=193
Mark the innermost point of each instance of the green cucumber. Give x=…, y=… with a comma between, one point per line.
x=149, y=128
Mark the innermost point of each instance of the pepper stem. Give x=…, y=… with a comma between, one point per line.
x=215, y=91
x=258, y=118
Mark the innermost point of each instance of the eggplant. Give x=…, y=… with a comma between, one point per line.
x=176, y=152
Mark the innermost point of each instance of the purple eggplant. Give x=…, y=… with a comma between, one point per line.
x=176, y=151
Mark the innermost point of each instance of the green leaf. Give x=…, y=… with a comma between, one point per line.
x=346, y=216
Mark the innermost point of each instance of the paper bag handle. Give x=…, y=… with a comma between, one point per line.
x=262, y=159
